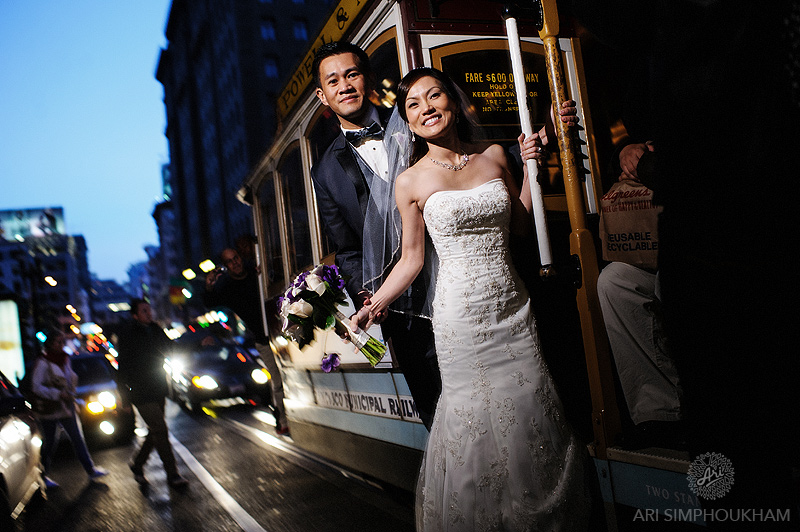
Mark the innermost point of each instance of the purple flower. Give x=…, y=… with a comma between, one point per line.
x=330, y=274
x=330, y=362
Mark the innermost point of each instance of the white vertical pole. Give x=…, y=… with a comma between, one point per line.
x=539, y=217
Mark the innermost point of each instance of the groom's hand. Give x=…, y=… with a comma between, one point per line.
x=367, y=316
x=361, y=318
x=377, y=317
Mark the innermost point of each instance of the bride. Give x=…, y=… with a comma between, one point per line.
x=500, y=455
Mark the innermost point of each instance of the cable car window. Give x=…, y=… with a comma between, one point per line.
x=322, y=132
x=290, y=170
x=271, y=232
x=386, y=66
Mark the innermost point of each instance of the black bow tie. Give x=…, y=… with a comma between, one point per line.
x=357, y=136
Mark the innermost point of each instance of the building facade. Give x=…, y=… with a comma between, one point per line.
x=222, y=70
x=110, y=302
x=49, y=278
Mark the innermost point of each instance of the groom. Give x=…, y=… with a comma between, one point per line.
x=344, y=80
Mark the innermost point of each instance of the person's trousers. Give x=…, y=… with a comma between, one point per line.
x=152, y=413
x=631, y=304
x=276, y=382
x=415, y=351
x=72, y=426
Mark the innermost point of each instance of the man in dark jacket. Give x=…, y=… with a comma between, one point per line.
x=238, y=290
x=142, y=346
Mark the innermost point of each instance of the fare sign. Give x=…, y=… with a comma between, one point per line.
x=486, y=78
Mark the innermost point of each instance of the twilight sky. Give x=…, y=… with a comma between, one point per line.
x=82, y=120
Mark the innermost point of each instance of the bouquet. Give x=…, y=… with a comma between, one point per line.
x=312, y=301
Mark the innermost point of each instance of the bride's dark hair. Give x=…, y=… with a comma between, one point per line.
x=466, y=123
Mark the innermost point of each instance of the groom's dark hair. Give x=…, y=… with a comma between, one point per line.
x=337, y=48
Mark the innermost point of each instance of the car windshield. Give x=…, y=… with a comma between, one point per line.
x=92, y=370
x=218, y=354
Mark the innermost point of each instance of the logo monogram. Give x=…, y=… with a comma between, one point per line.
x=711, y=476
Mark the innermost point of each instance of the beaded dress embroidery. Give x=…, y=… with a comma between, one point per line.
x=500, y=455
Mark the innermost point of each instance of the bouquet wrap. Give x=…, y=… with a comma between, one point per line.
x=311, y=302
x=364, y=342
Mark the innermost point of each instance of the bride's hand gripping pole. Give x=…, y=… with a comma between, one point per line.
x=539, y=217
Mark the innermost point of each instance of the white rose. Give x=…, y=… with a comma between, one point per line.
x=284, y=305
x=315, y=283
x=300, y=308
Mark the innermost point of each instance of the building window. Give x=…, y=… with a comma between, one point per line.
x=299, y=30
x=271, y=68
x=268, y=30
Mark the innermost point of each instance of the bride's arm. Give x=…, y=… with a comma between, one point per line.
x=413, y=247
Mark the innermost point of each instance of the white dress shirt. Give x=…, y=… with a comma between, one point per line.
x=372, y=151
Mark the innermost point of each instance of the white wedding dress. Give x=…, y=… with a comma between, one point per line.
x=500, y=454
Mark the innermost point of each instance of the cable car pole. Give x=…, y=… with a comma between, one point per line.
x=539, y=217
x=605, y=415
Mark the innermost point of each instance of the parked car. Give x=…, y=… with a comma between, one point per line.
x=20, y=454
x=223, y=370
x=102, y=416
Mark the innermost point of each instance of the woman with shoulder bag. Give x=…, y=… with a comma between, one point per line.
x=53, y=387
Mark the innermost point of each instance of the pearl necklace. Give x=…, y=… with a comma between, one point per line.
x=454, y=167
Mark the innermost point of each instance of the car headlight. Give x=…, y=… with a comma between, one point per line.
x=259, y=376
x=95, y=407
x=174, y=367
x=206, y=382
x=103, y=401
x=107, y=399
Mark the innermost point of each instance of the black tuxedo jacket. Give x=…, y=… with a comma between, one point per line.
x=338, y=183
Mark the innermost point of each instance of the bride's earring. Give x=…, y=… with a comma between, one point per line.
x=413, y=137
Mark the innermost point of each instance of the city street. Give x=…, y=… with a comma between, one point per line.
x=242, y=477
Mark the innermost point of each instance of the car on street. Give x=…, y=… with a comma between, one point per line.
x=20, y=454
x=102, y=415
x=221, y=369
